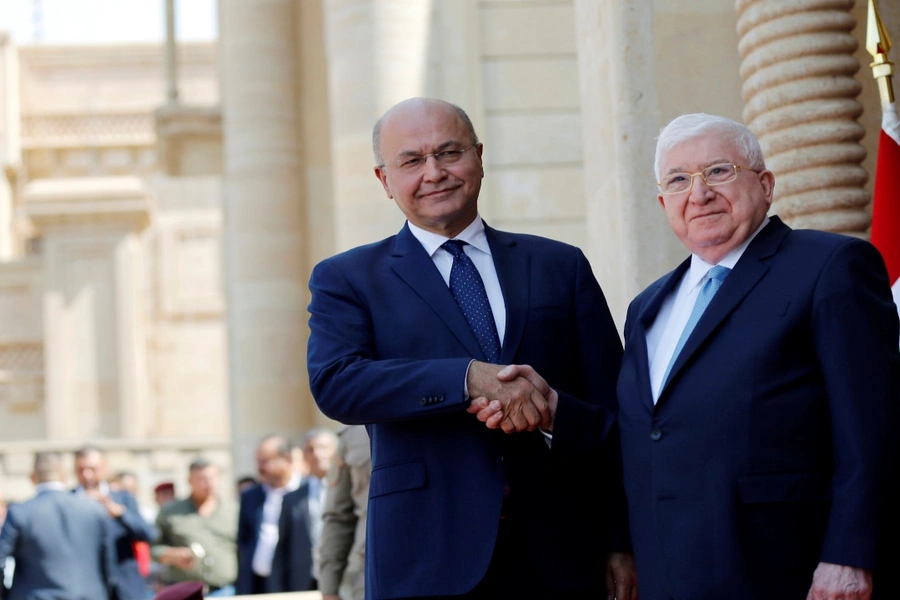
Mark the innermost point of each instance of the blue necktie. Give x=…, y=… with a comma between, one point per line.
x=468, y=290
x=714, y=279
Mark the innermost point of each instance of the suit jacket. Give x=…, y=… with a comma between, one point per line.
x=292, y=565
x=389, y=347
x=770, y=445
x=249, y=519
x=126, y=530
x=63, y=548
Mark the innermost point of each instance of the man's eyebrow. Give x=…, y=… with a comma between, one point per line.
x=443, y=146
x=709, y=163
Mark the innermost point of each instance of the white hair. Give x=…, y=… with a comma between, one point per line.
x=691, y=126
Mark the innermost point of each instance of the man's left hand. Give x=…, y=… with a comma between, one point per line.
x=621, y=577
x=839, y=582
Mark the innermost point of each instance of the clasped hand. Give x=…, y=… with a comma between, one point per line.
x=512, y=398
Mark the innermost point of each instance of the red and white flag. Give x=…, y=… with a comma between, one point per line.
x=886, y=202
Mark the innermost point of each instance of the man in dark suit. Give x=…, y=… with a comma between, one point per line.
x=408, y=336
x=757, y=432
x=128, y=526
x=258, y=522
x=62, y=544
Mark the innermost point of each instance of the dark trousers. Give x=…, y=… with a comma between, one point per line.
x=511, y=574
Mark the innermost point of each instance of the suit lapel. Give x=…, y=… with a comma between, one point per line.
x=513, y=270
x=645, y=319
x=413, y=265
x=749, y=269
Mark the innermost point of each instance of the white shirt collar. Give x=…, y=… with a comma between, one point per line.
x=290, y=486
x=699, y=267
x=473, y=235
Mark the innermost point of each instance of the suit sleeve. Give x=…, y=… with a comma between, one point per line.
x=9, y=537
x=856, y=330
x=349, y=382
x=245, y=545
x=280, y=560
x=108, y=556
x=131, y=519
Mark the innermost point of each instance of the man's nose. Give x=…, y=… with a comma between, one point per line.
x=700, y=190
x=433, y=169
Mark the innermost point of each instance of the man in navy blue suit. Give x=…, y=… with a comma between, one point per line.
x=457, y=509
x=126, y=522
x=758, y=394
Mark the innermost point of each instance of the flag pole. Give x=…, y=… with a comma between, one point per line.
x=878, y=43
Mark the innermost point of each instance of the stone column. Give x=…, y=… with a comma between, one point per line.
x=10, y=142
x=630, y=241
x=264, y=274
x=93, y=318
x=377, y=55
x=797, y=67
x=171, y=55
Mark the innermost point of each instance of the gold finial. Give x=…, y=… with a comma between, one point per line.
x=878, y=43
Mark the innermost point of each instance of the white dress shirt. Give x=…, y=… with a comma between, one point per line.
x=664, y=333
x=268, y=527
x=479, y=251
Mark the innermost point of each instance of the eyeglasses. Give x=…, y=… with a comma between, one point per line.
x=412, y=163
x=679, y=183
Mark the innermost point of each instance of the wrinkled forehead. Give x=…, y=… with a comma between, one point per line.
x=701, y=151
x=422, y=128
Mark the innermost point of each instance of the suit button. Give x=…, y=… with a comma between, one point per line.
x=499, y=459
x=656, y=435
x=423, y=401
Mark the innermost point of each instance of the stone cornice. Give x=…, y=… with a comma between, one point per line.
x=120, y=201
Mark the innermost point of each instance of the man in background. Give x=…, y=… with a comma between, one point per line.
x=197, y=534
x=62, y=543
x=129, y=528
x=300, y=522
x=260, y=511
x=342, y=545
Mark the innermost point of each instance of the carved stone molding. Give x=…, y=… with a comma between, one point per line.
x=797, y=65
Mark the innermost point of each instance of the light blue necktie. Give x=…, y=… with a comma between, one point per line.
x=468, y=290
x=714, y=279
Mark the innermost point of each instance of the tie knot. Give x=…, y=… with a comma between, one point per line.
x=454, y=247
x=719, y=273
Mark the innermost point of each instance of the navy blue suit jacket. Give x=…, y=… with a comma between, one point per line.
x=63, y=548
x=770, y=445
x=292, y=563
x=389, y=348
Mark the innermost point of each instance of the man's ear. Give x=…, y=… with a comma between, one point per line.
x=382, y=177
x=662, y=202
x=767, y=180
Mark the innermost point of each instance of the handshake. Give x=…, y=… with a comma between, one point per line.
x=512, y=398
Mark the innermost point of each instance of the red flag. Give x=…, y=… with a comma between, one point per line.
x=886, y=202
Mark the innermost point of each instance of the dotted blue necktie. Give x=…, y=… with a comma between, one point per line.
x=714, y=279
x=468, y=290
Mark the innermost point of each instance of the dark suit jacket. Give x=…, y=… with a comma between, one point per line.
x=63, y=548
x=389, y=347
x=249, y=518
x=293, y=562
x=769, y=448
x=129, y=528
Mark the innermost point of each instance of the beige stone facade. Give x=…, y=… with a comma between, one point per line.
x=155, y=253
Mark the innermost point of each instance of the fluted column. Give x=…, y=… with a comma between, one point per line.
x=264, y=271
x=797, y=67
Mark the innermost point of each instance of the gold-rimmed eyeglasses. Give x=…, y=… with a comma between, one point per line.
x=679, y=183
x=412, y=163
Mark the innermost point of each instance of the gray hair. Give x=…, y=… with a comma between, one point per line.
x=315, y=432
x=376, y=131
x=47, y=467
x=691, y=126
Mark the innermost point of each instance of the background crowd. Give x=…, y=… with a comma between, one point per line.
x=298, y=524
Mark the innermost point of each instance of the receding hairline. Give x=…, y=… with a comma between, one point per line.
x=420, y=103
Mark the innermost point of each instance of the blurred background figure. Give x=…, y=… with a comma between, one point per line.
x=131, y=533
x=197, y=534
x=342, y=545
x=6, y=566
x=61, y=542
x=164, y=493
x=186, y=590
x=125, y=480
x=258, y=531
x=245, y=483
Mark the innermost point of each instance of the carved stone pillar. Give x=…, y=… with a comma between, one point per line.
x=797, y=65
